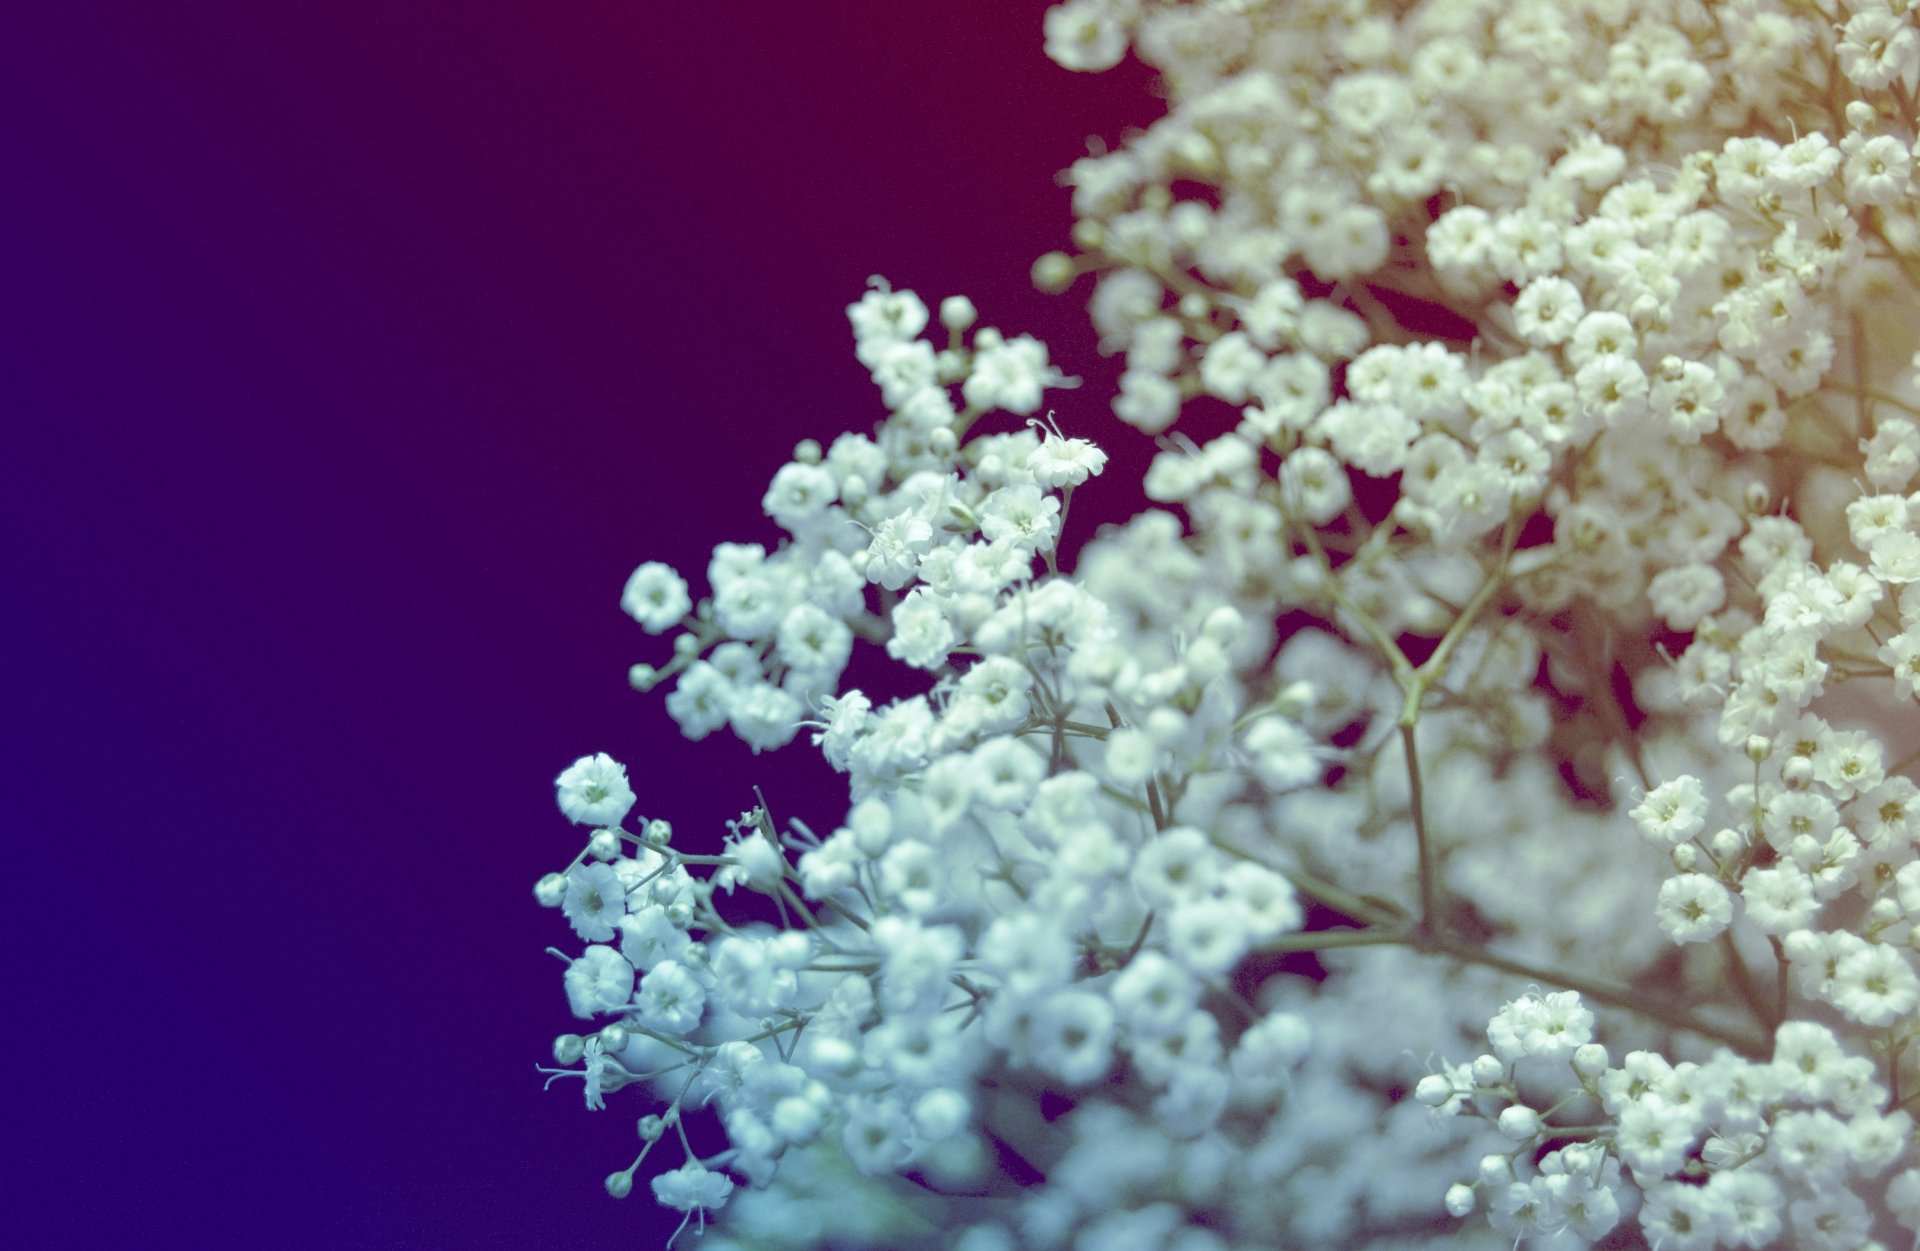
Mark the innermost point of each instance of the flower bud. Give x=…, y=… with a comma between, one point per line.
x=1590, y=1060
x=807, y=452
x=1495, y=1170
x=1296, y=701
x=1720, y=1153
x=1488, y=1071
x=1757, y=498
x=659, y=833
x=620, y=1184
x=1519, y=1123
x=1459, y=1199
x=604, y=845
x=568, y=1048
x=1054, y=272
x=1223, y=625
x=941, y=1113
x=642, y=678
x=1685, y=856
x=1797, y=773
x=613, y=1037
x=1759, y=747
x=832, y=1055
x=686, y=645
x=1727, y=843
x=1193, y=306
x=550, y=890
x=797, y=1119
x=957, y=311
x=650, y=1128
x=1861, y=115
x=1433, y=1090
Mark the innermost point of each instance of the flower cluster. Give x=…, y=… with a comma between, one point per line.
x=1515, y=678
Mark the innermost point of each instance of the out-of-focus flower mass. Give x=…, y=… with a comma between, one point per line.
x=1471, y=803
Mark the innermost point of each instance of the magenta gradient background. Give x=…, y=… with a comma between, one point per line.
x=359, y=350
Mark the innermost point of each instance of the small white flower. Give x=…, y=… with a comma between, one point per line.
x=1693, y=908
x=601, y=980
x=656, y=597
x=670, y=999
x=593, y=790
x=692, y=1187
x=1673, y=811
x=1875, y=985
x=595, y=901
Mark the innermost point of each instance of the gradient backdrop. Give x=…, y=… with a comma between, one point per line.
x=359, y=350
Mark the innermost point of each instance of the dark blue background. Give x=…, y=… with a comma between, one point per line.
x=357, y=352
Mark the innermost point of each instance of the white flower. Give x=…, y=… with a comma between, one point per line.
x=1552, y=1025
x=922, y=635
x=1693, y=908
x=799, y=492
x=656, y=597
x=1153, y=995
x=1021, y=515
x=1875, y=985
x=1072, y=1036
x=1085, y=35
x=1808, y=1059
x=1268, y=904
x=1654, y=1137
x=1893, y=453
x=1230, y=366
x=813, y=641
x=1208, y=935
x=1373, y=438
x=1673, y=811
x=876, y=1136
x=1059, y=462
x=1903, y=1198
x=1684, y=595
x=1779, y=899
x=1878, y=46
x=595, y=901
x=1147, y=401
x=898, y=543
x=1314, y=486
x=700, y=700
x=765, y=716
x=1677, y=1217
x=1178, y=864
x=692, y=1187
x=1010, y=375
x=593, y=790
x=649, y=936
x=885, y=316
x=601, y=980
x=670, y=999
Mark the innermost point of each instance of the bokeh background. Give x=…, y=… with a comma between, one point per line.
x=357, y=351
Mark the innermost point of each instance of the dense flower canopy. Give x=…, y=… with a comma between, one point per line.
x=1467, y=804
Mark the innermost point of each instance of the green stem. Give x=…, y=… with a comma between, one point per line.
x=1743, y=982
x=1327, y=940
x=1429, y=905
